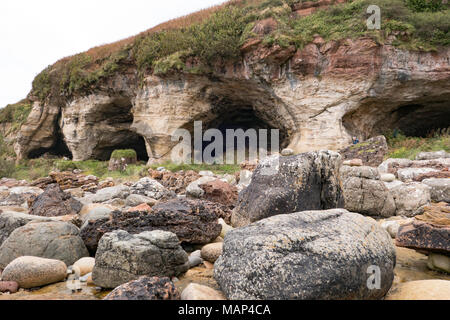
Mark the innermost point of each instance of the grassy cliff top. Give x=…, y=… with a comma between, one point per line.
x=217, y=34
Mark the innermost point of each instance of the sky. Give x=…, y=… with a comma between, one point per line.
x=35, y=34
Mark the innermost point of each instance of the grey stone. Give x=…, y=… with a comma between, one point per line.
x=432, y=155
x=52, y=240
x=365, y=193
x=134, y=200
x=151, y=188
x=122, y=257
x=411, y=198
x=103, y=195
x=193, y=189
x=440, y=189
x=11, y=220
x=306, y=255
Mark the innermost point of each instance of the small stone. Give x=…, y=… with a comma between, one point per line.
x=196, y=291
x=225, y=228
x=141, y=208
x=353, y=163
x=206, y=173
x=287, y=152
x=439, y=262
x=84, y=265
x=211, y=252
x=195, y=259
x=387, y=177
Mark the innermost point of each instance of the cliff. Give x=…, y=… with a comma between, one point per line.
x=310, y=69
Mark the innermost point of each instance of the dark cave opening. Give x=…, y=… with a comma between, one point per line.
x=256, y=128
x=131, y=140
x=420, y=118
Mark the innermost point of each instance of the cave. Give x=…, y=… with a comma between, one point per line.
x=420, y=118
x=113, y=121
x=228, y=114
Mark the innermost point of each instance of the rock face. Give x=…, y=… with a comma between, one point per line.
x=30, y=272
x=306, y=255
x=371, y=151
x=281, y=85
x=193, y=221
x=145, y=288
x=52, y=240
x=122, y=257
x=309, y=181
x=55, y=202
x=365, y=193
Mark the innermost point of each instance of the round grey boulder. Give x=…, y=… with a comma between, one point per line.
x=52, y=240
x=329, y=255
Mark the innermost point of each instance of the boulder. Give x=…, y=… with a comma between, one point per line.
x=221, y=192
x=195, y=291
x=442, y=174
x=310, y=255
x=151, y=188
x=54, y=202
x=371, y=152
x=195, y=258
x=440, y=189
x=122, y=257
x=19, y=196
x=96, y=211
x=421, y=290
x=84, y=265
x=30, y=272
x=193, y=189
x=429, y=232
x=411, y=198
x=193, y=221
x=412, y=174
x=11, y=183
x=211, y=252
x=135, y=200
x=365, y=193
x=11, y=220
x=393, y=165
x=145, y=288
x=432, y=155
x=9, y=286
x=103, y=195
x=52, y=240
x=282, y=185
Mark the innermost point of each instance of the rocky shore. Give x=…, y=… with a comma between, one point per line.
x=318, y=228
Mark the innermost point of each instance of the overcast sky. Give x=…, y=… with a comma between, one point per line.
x=37, y=33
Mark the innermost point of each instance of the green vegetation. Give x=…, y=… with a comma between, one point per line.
x=402, y=146
x=6, y=164
x=216, y=168
x=127, y=154
x=16, y=114
x=197, y=42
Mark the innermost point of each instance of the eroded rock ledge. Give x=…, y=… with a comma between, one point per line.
x=319, y=97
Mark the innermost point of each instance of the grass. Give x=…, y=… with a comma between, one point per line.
x=127, y=153
x=217, y=33
x=15, y=114
x=408, y=147
x=216, y=168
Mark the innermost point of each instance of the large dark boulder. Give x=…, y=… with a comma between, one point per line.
x=145, y=288
x=310, y=255
x=308, y=181
x=54, y=202
x=122, y=257
x=193, y=221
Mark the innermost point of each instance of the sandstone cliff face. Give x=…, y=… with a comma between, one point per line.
x=318, y=97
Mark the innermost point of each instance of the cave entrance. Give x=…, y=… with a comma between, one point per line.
x=124, y=140
x=420, y=118
x=244, y=131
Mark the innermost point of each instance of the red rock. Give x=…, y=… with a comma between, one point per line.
x=438, y=175
x=141, y=208
x=145, y=288
x=221, y=192
x=9, y=286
